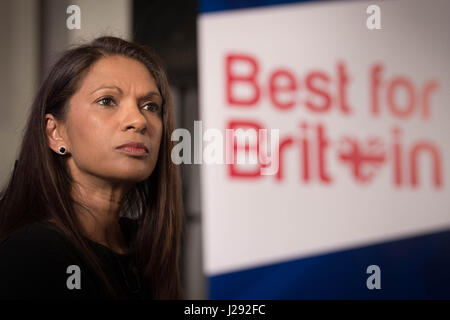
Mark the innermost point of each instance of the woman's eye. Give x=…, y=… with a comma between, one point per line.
x=106, y=101
x=151, y=106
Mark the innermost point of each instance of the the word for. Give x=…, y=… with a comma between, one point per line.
x=74, y=280
x=374, y=281
x=417, y=99
x=74, y=20
x=374, y=20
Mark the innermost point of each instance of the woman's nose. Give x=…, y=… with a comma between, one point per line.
x=133, y=119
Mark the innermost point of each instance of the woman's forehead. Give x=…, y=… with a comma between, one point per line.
x=122, y=72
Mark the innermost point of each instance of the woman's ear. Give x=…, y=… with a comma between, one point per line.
x=55, y=132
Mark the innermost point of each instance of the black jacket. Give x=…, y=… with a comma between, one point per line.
x=35, y=260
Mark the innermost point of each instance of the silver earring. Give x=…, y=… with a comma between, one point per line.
x=62, y=150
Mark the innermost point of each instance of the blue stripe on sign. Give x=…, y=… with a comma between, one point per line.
x=412, y=268
x=206, y=6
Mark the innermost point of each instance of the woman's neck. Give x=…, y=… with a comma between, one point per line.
x=100, y=218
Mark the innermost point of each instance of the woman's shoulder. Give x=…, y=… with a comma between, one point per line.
x=36, y=238
x=35, y=262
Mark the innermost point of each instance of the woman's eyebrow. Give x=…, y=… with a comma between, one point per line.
x=108, y=87
x=150, y=95
x=144, y=96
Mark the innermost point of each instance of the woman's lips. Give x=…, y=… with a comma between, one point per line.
x=135, y=149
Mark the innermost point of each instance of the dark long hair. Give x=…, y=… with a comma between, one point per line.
x=39, y=188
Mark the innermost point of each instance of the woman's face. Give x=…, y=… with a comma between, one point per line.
x=116, y=103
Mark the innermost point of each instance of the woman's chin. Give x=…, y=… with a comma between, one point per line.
x=130, y=176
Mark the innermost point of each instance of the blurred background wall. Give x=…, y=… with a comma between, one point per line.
x=20, y=68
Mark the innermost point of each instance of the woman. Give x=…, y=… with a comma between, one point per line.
x=93, y=207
